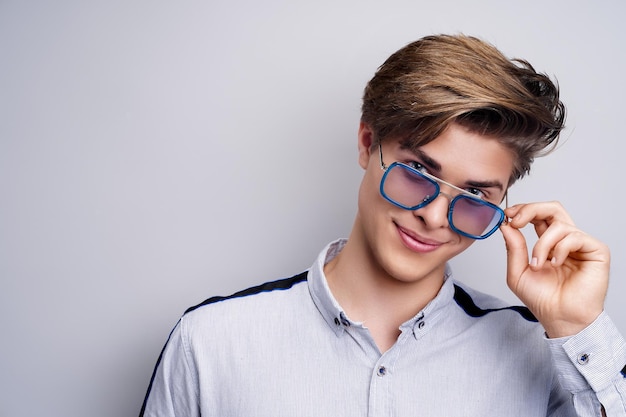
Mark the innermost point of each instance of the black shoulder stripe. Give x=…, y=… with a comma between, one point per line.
x=464, y=300
x=281, y=284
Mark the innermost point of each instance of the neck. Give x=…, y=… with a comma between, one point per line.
x=371, y=295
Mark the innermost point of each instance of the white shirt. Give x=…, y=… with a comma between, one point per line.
x=286, y=348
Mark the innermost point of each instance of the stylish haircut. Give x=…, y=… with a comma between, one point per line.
x=438, y=80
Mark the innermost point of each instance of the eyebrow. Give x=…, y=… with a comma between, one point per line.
x=436, y=167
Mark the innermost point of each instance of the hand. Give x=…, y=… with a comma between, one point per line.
x=566, y=280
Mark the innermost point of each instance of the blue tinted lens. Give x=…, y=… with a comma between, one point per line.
x=407, y=187
x=474, y=217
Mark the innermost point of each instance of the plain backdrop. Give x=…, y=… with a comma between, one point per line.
x=155, y=153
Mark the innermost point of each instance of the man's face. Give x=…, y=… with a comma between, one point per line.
x=415, y=245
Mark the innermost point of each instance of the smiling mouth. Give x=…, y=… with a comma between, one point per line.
x=416, y=243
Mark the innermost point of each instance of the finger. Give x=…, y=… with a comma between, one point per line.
x=541, y=215
x=580, y=246
x=516, y=253
x=519, y=219
x=513, y=210
x=564, y=248
x=544, y=249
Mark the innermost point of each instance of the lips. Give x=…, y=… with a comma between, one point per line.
x=415, y=242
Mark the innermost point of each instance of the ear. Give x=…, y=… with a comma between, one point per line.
x=366, y=140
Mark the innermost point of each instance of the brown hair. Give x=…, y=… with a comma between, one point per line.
x=429, y=84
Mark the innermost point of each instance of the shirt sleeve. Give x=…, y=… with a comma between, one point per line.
x=173, y=390
x=592, y=367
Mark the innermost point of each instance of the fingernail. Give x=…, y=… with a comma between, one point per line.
x=534, y=262
x=553, y=261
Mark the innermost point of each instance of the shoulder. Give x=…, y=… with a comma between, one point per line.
x=477, y=304
x=490, y=321
x=223, y=326
x=251, y=305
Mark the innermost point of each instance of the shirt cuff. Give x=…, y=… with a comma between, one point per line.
x=591, y=358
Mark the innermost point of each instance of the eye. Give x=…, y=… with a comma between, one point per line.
x=417, y=166
x=477, y=192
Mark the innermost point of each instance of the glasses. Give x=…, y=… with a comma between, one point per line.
x=410, y=189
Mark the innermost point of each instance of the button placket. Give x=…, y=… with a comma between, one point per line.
x=583, y=359
x=344, y=320
x=419, y=326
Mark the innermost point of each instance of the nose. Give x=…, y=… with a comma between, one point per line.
x=435, y=214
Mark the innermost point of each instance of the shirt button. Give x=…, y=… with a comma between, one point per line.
x=421, y=325
x=382, y=371
x=583, y=359
x=337, y=322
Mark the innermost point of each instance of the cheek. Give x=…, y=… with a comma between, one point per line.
x=464, y=243
x=369, y=196
x=456, y=246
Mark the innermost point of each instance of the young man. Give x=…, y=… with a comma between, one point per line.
x=379, y=326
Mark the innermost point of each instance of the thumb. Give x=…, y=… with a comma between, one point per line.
x=516, y=254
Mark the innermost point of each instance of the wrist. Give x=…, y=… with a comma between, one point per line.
x=562, y=328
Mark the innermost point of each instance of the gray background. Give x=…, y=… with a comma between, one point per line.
x=155, y=153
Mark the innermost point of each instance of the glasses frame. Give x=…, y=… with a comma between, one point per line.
x=436, y=181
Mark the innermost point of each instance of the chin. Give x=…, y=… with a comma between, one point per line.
x=411, y=269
